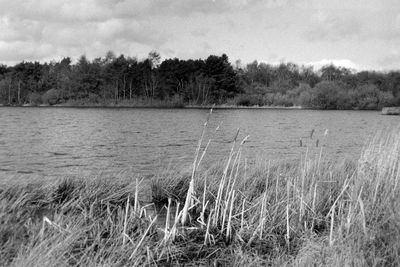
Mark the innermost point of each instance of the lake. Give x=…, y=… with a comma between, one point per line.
x=58, y=142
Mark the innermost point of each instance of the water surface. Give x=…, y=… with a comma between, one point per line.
x=58, y=142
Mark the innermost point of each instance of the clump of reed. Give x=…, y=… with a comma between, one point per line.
x=312, y=211
x=73, y=222
x=309, y=212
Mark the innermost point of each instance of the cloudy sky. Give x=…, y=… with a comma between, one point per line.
x=361, y=34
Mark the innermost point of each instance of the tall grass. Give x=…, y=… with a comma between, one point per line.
x=311, y=212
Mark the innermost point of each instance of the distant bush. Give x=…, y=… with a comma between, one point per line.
x=282, y=100
x=368, y=96
x=386, y=99
x=268, y=99
x=326, y=95
x=249, y=100
x=93, y=98
x=281, y=86
x=344, y=100
x=176, y=101
x=295, y=94
x=51, y=97
x=304, y=98
x=35, y=98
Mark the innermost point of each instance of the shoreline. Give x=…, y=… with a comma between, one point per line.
x=222, y=107
x=156, y=106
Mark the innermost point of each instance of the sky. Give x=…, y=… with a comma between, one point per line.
x=358, y=34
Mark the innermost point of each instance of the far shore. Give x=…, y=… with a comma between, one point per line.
x=182, y=106
x=155, y=106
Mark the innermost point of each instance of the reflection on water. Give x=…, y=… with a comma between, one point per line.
x=79, y=142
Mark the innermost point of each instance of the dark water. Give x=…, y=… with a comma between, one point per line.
x=58, y=142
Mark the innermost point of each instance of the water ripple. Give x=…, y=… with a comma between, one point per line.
x=64, y=142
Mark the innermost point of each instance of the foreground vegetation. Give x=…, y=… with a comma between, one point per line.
x=127, y=81
x=304, y=213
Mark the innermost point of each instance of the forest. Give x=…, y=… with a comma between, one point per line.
x=127, y=81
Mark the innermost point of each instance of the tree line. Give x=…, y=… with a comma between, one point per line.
x=113, y=80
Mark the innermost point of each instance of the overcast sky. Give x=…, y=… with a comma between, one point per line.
x=361, y=34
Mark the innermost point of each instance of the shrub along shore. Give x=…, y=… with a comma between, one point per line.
x=299, y=213
x=168, y=105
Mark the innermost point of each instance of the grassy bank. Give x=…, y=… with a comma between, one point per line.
x=98, y=102
x=232, y=213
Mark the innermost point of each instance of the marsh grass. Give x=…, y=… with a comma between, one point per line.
x=309, y=212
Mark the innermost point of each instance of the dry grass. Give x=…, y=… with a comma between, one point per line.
x=312, y=212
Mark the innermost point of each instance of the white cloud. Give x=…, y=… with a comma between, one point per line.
x=12, y=29
x=391, y=61
x=72, y=26
x=302, y=31
x=347, y=63
x=324, y=27
x=19, y=51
